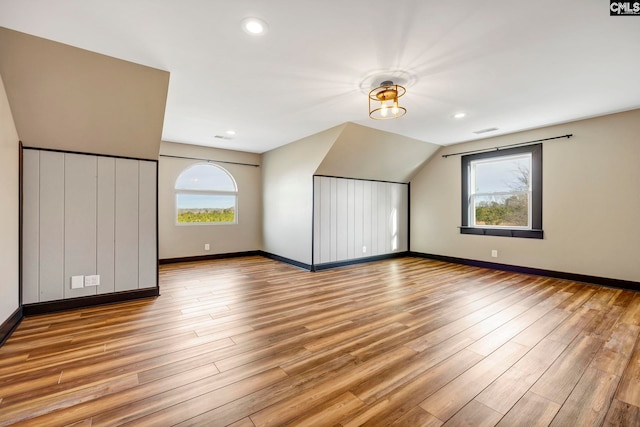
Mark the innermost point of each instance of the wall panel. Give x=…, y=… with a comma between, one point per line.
x=106, y=224
x=351, y=219
x=126, y=225
x=325, y=216
x=31, y=227
x=80, y=197
x=333, y=223
x=316, y=224
x=342, y=213
x=51, y=226
x=384, y=209
x=358, y=218
x=147, y=243
x=350, y=214
x=366, y=218
x=375, y=214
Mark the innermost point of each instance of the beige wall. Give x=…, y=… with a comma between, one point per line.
x=178, y=241
x=71, y=99
x=591, y=202
x=366, y=153
x=9, y=248
x=287, y=176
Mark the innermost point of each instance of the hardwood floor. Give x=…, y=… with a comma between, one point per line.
x=404, y=342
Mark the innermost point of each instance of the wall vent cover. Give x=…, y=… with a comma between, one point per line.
x=485, y=130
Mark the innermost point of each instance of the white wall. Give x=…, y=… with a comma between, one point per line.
x=591, y=202
x=357, y=218
x=179, y=241
x=9, y=213
x=287, y=176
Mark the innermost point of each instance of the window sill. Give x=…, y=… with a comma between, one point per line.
x=503, y=232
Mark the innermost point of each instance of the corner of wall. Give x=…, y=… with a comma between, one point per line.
x=9, y=214
x=287, y=196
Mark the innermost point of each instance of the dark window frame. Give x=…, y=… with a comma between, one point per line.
x=536, y=194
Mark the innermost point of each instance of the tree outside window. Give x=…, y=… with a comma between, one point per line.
x=206, y=194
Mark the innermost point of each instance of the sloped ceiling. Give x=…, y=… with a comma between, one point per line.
x=365, y=153
x=512, y=65
x=66, y=98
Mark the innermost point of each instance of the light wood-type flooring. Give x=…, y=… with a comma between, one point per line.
x=404, y=342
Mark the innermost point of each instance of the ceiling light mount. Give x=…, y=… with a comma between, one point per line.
x=384, y=101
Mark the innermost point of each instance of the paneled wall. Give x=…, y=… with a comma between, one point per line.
x=87, y=215
x=357, y=218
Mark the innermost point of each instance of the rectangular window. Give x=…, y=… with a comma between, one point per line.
x=502, y=192
x=205, y=208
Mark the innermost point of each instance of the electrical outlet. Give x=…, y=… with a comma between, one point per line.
x=207, y=246
x=364, y=249
x=494, y=253
x=77, y=282
x=93, y=280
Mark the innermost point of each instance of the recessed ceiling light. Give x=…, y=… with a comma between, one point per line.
x=254, y=26
x=231, y=132
x=459, y=115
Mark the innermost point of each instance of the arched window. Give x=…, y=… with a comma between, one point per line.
x=206, y=194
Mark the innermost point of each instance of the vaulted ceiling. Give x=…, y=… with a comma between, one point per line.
x=507, y=65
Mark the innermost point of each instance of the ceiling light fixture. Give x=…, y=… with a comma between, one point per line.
x=230, y=132
x=254, y=26
x=383, y=101
x=459, y=115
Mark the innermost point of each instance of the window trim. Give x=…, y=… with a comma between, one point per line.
x=535, y=232
x=177, y=192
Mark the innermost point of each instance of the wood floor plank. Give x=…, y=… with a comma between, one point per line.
x=559, y=380
x=631, y=314
x=452, y=397
x=329, y=412
x=282, y=390
x=245, y=422
x=376, y=387
x=286, y=410
x=475, y=414
x=417, y=417
x=621, y=414
x=589, y=401
x=532, y=411
x=402, y=399
x=629, y=389
x=499, y=336
x=408, y=342
x=572, y=326
x=27, y=409
x=171, y=413
x=116, y=401
x=614, y=356
x=504, y=392
x=82, y=423
x=535, y=333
